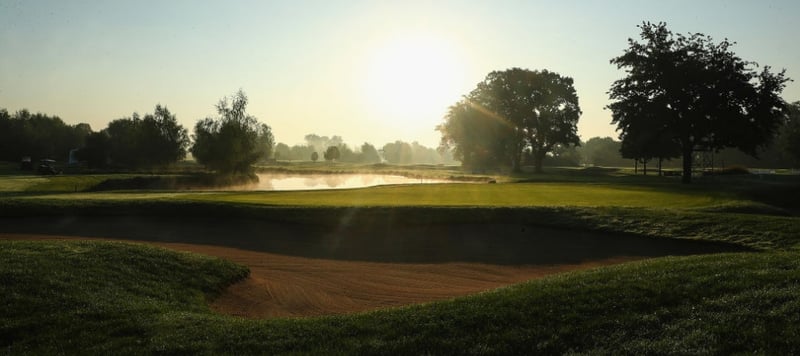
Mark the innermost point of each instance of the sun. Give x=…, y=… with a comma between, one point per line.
x=413, y=79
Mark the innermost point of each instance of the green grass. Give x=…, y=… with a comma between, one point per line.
x=98, y=297
x=730, y=215
x=476, y=195
x=117, y=298
x=101, y=297
x=32, y=184
x=492, y=195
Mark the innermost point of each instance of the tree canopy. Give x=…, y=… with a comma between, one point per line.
x=789, y=140
x=686, y=92
x=602, y=151
x=154, y=140
x=510, y=113
x=332, y=153
x=39, y=136
x=234, y=141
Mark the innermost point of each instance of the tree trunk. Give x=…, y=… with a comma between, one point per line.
x=515, y=164
x=644, y=167
x=687, y=166
x=660, y=161
x=636, y=166
x=537, y=162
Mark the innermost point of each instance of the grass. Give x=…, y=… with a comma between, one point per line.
x=93, y=297
x=760, y=218
x=447, y=195
x=101, y=297
x=496, y=195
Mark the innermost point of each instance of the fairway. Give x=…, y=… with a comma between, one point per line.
x=443, y=195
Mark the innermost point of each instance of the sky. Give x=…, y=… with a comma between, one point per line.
x=369, y=71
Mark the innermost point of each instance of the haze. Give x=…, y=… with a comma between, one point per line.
x=368, y=71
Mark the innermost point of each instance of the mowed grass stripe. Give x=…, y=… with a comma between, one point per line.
x=506, y=195
x=488, y=195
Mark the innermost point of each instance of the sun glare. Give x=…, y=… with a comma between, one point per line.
x=413, y=79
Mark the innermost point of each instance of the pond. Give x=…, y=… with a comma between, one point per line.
x=333, y=181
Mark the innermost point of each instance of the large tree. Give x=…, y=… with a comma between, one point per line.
x=155, y=140
x=686, y=92
x=234, y=141
x=509, y=113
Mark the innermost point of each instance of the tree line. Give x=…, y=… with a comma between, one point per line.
x=24, y=134
x=682, y=94
x=229, y=143
x=397, y=152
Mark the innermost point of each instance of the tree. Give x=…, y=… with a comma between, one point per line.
x=561, y=155
x=24, y=134
x=234, y=141
x=789, y=140
x=161, y=139
x=332, y=153
x=369, y=154
x=682, y=93
x=314, y=156
x=398, y=152
x=321, y=143
x=602, y=151
x=511, y=112
x=151, y=141
x=96, y=150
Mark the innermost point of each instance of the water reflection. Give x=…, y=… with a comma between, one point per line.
x=333, y=181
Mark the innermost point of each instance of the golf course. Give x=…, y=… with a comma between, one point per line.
x=579, y=260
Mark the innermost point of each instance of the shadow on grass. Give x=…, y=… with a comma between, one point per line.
x=377, y=240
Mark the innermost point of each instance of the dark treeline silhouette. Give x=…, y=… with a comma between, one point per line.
x=683, y=96
x=228, y=144
x=687, y=94
x=512, y=115
x=38, y=136
x=155, y=140
x=398, y=152
x=606, y=152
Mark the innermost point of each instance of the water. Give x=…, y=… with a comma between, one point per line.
x=333, y=181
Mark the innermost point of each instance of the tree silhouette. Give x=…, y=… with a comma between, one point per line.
x=332, y=153
x=233, y=142
x=38, y=136
x=789, y=139
x=314, y=156
x=369, y=154
x=683, y=93
x=141, y=142
x=511, y=112
x=602, y=151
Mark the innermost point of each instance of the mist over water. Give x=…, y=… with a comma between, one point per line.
x=332, y=181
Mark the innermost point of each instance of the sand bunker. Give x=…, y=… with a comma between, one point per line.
x=309, y=271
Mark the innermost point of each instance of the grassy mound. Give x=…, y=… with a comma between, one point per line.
x=99, y=297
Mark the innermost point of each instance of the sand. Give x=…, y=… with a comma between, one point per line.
x=299, y=271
